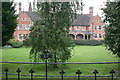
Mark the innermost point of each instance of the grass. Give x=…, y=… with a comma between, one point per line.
x=80, y=54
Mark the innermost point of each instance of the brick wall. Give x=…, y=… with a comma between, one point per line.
x=24, y=21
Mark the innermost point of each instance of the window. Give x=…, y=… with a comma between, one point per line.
x=32, y=23
x=20, y=37
x=77, y=37
x=19, y=27
x=100, y=35
x=82, y=28
x=26, y=36
x=77, y=28
x=95, y=27
x=23, y=19
x=97, y=21
x=95, y=35
x=86, y=27
x=27, y=27
x=100, y=27
x=18, y=18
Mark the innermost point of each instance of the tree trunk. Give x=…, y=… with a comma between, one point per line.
x=55, y=61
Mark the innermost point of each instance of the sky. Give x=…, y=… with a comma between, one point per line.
x=96, y=4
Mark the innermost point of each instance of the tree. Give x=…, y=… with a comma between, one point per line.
x=51, y=31
x=112, y=30
x=9, y=22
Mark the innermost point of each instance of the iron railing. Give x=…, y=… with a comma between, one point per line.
x=62, y=72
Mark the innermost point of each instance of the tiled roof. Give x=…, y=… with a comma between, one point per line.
x=82, y=19
x=33, y=16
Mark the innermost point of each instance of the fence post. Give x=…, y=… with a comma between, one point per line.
x=45, y=56
x=6, y=72
x=95, y=72
x=78, y=72
x=18, y=71
x=112, y=72
x=62, y=73
x=31, y=71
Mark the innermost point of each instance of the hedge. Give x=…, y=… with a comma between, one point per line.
x=89, y=42
x=16, y=44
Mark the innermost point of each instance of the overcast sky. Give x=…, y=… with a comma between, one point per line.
x=97, y=5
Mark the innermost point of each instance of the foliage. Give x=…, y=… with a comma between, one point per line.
x=112, y=30
x=9, y=22
x=26, y=41
x=51, y=31
x=16, y=44
x=88, y=42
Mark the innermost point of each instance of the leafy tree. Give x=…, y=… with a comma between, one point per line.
x=51, y=31
x=9, y=22
x=112, y=30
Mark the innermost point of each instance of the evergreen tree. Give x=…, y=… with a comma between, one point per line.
x=112, y=30
x=9, y=22
x=51, y=31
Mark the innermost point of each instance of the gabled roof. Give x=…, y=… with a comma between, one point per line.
x=82, y=20
x=33, y=16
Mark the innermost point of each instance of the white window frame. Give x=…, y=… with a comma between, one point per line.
x=100, y=35
x=100, y=28
x=77, y=28
x=95, y=36
x=95, y=27
x=20, y=27
x=26, y=27
x=19, y=37
x=97, y=21
x=83, y=28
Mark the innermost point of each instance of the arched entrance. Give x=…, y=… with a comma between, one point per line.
x=72, y=36
x=79, y=36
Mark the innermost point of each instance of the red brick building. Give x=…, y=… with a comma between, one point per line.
x=84, y=27
x=26, y=19
x=87, y=27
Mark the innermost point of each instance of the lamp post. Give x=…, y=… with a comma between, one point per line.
x=46, y=56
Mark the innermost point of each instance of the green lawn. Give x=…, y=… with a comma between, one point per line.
x=80, y=54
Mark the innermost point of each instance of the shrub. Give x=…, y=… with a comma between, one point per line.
x=26, y=43
x=88, y=42
x=16, y=44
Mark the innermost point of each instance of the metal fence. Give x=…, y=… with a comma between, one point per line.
x=62, y=72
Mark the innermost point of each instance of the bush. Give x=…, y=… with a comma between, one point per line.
x=88, y=42
x=26, y=43
x=16, y=44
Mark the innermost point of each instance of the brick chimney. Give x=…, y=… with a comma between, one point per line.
x=30, y=7
x=91, y=11
x=20, y=7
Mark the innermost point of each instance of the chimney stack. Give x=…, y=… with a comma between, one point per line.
x=91, y=11
x=20, y=7
x=30, y=7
